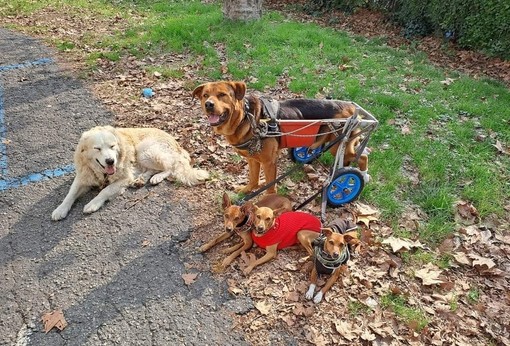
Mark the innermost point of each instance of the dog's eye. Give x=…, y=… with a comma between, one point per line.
x=331, y=242
x=205, y=96
x=113, y=146
x=222, y=95
x=98, y=149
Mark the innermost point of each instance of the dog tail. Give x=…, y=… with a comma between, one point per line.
x=189, y=175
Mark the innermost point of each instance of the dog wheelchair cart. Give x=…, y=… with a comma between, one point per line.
x=344, y=184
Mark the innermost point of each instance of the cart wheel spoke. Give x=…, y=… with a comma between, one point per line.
x=304, y=154
x=345, y=187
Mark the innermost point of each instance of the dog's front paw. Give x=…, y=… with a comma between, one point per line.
x=218, y=268
x=318, y=298
x=245, y=189
x=309, y=293
x=158, y=178
x=59, y=213
x=203, y=248
x=138, y=182
x=247, y=270
x=91, y=207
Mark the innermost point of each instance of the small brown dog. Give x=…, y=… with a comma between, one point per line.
x=274, y=233
x=331, y=253
x=239, y=117
x=237, y=219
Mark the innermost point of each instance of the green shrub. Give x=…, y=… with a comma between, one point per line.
x=477, y=25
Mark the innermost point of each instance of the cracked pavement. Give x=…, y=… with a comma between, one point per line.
x=117, y=273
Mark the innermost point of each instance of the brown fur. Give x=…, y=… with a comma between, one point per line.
x=333, y=246
x=263, y=220
x=224, y=104
x=234, y=216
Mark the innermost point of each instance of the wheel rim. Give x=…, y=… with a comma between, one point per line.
x=344, y=188
x=303, y=155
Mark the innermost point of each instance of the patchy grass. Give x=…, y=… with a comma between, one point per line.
x=439, y=125
x=412, y=316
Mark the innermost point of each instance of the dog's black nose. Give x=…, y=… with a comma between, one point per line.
x=109, y=162
x=209, y=105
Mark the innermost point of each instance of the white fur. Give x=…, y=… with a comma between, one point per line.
x=318, y=297
x=156, y=153
x=366, y=176
x=309, y=293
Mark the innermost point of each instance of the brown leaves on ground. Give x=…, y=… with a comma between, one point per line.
x=189, y=278
x=54, y=319
x=465, y=301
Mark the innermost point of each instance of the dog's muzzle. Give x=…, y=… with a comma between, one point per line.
x=216, y=120
x=259, y=232
x=110, y=168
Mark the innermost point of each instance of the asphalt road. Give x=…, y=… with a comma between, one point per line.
x=117, y=273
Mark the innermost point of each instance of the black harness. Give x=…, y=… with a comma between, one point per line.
x=260, y=129
x=324, y=263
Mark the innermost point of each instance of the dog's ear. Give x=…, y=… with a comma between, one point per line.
x=327, y=231
x=248, y=207
x=278, y=211
x=198, y=91
x=226, y=201
x=351, y=238
x=239, y=89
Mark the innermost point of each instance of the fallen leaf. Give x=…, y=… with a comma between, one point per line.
x=189, y=278
x=346, y=330
x=54, y=319
x=405, y=130
x=263, y=307
x=398, y=244
x=501, y=149
x=461, y=258
x=481, y=261
x=429, y=275
x=366, y=219
x=447, y=81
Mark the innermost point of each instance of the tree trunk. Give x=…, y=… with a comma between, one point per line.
x=242, y=9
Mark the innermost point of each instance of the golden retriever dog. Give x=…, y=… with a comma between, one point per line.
x=110, y=158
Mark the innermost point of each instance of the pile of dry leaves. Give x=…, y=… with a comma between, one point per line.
x=466, y=303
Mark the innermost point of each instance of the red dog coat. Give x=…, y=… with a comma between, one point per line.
x=285, y=229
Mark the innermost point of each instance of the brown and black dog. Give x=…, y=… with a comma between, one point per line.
x=236, y=116
x=239, y=220
x=331, y=253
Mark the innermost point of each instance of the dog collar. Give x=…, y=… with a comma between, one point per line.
x=323, y=262
x=247, y=223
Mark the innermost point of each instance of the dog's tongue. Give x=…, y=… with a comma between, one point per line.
x=110, y=170
x=213, y=119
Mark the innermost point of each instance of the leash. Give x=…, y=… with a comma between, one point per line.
x=289, y=172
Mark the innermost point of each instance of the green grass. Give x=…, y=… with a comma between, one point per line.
x=399, y=86
x=356, y=308
x=413, y=316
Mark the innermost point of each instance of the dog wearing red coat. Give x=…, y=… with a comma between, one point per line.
x=288, y=229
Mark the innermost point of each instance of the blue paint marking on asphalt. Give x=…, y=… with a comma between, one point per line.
x=9, y=183
x=42, y=61
x=3, y=143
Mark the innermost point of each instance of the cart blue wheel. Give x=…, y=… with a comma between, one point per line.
x=304, y=154
x=345, y=187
